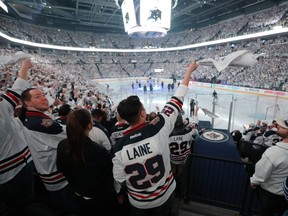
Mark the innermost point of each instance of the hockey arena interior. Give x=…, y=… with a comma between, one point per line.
x=94, y=55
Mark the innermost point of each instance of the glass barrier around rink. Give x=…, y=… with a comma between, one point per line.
x=231, y=110
x=257, y=107
x=236, y=110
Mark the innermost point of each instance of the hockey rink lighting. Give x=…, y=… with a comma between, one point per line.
x=3, y=6
x=191, y=46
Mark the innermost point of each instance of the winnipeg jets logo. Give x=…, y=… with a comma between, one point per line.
x=46, y=122
x=214, y=136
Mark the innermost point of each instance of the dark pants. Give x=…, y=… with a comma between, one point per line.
x=64, y=200
x=163, y=210
x=192, y=112
x=103, y=204
x=17, y=193
x=271, y=204
x=180, y=175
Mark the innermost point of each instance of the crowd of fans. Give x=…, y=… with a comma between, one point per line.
x=269, y=73
x=50, y=129
x=102, y=65
x=245, y=24
x=264, y=145
x=65, y=77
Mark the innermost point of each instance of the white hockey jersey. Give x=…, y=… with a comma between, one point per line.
x=269, y=138
x=14, y=152
x=142, y=157
x=180, y=146
x=43, y=135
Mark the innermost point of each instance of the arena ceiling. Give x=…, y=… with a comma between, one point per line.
x=105, y=16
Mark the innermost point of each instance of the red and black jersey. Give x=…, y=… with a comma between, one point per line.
x=43, y=135
x=180, y=146
x=15, y=154
x=142, y=157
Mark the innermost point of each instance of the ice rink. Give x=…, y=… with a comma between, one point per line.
x=240, y=108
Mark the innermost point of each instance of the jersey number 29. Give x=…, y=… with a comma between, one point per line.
x=153, y=168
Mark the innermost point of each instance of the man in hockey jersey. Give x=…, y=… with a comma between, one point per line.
x=248, y=131
x=269, y=137
x=98, y=133
x=16, y=166
x=180, y=142
x=117, y=131
x=142, y=156
x=43, y=135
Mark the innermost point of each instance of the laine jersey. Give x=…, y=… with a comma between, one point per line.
x=43, y=136
x=180, y=146
x=142, y=159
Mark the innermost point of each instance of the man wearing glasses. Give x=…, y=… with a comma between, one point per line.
x=270, y=171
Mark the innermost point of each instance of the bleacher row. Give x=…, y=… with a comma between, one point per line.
x=270, y=73
x=56, y=69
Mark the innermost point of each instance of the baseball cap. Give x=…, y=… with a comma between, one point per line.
x=282, y=122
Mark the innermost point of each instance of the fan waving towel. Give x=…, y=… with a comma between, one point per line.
x=241, y=58
x=18, y=56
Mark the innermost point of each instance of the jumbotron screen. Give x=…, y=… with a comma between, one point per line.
x=146, y=18
x=155, y=13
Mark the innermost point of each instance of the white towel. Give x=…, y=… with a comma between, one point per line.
x=241, y=58
x=18, y=56
x=209, y=113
